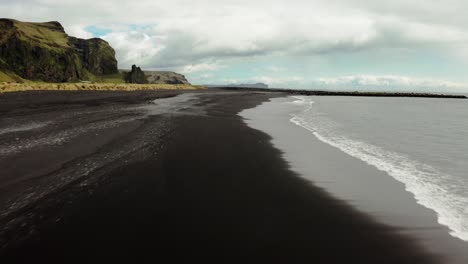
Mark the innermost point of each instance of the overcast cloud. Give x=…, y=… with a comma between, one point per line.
x=326, y=43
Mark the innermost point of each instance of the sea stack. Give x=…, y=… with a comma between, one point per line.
x=136, y=75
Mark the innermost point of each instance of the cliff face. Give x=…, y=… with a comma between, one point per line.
x=96, y=55
x=43, y=51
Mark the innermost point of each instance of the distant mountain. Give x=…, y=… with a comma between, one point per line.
x=44, y=52
x=254, y=85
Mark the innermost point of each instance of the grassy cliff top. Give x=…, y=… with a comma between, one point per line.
x=47, y=35
x=10, y=77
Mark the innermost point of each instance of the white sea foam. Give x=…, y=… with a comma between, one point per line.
x=447, y=195
x=23, y=127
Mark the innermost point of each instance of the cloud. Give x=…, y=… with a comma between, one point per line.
x=208, y=36
x=376, y=83
x=280, y=81
x=388, y=83
x=134, y=47
x=275, y=69
x=272, y=81
x=201, y=67
x=249, y=28
x=79, y=31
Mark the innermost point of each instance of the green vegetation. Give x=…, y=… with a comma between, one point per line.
x=6, y=76
x=116, y=78
x=49, y=35
x=44, y=52
x=6, y=87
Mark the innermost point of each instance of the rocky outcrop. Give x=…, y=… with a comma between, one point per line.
x=136, y=75
x=43, y=51
x=161, y=77
x=165, y=77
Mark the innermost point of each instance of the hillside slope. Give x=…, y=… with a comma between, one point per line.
x=44, y=52
x=165, y=77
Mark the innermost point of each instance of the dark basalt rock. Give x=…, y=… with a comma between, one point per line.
x=136, y=75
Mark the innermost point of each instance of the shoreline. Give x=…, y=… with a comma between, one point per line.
x=7, y=87
x=363, y=186
x=343, y=93
x=210, y=188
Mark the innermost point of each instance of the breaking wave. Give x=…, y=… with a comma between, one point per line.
x=438, y=191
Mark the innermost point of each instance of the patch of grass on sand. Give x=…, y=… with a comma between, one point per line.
x=9, y=77
x=19, y=87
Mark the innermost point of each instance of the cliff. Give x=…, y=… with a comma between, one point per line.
x=43, y=51
x=96, y=55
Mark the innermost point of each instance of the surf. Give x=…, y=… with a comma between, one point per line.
x=431, y=188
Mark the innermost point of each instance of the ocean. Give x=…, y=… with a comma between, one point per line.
x=404, y=161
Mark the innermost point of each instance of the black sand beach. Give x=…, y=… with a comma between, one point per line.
x=196, y=184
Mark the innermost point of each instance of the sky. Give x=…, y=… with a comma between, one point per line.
x=396, y=45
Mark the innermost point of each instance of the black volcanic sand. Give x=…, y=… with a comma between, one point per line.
x=216, y=191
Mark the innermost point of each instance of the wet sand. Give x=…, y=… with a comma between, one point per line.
x=193, y=184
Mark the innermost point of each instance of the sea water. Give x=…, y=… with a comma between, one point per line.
x=418, y=145
x=422, y=143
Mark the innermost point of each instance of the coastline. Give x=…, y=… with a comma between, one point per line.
x=366, y=188
x=348, y=93
x=210, y=188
